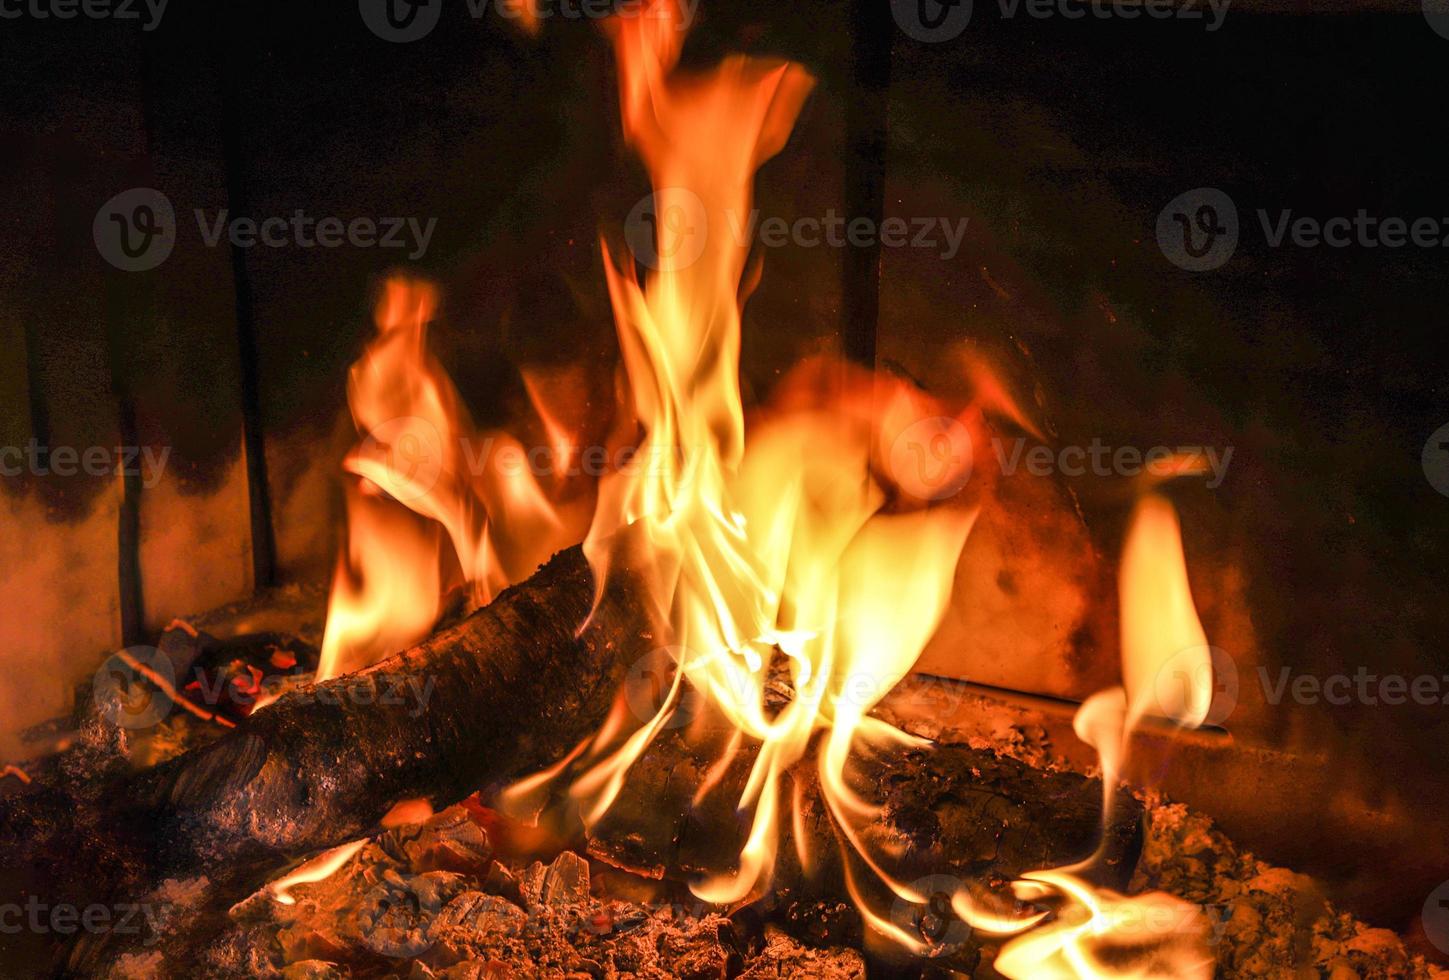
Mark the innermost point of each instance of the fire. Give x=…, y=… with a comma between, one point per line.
x=1166, y=671
x=425, y=487
x=793, y=545
x=1103, y=934
x=818, y=543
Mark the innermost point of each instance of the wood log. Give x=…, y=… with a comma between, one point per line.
x=949, y=809
x=507, y=691
x=511, y=689
x=950, y=815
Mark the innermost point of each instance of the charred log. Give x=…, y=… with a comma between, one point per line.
x=947, y=809
x=950, y=815
x=509, y=690
x=505, y=692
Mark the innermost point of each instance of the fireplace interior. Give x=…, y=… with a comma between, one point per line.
x=721, y=489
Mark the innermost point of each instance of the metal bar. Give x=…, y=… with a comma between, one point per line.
x=872, y=32
x=259, y=500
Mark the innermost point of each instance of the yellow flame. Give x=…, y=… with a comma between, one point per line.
x=1101, y=934
x=794, y=547
x=424, y=482
x=1098, y=933
x=319, y=868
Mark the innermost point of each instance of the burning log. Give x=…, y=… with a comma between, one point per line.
x=945, y=809
x=512, y=688
x=951, y=816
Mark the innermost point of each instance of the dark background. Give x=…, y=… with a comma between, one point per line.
x=1061, y=140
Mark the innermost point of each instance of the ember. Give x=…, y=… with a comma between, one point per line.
x=637, y=661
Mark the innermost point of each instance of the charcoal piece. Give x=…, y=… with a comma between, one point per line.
x=449, y=841
x=486, y=917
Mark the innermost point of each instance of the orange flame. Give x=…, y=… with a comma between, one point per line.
x=824, y=544
x=1099, y=933
x=425, y=482
x=804, y=544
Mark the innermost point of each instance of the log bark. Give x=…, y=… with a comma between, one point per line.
x=507, y=691
x=510, y=690
x=945, y=809
x=950, y=815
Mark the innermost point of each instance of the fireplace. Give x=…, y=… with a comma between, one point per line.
x=696, y=488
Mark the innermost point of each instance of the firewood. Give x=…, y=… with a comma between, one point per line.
x=945, y=809
x=950, y=815
x=510, y=689
x=513, y=688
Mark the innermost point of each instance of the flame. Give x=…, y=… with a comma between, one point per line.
x=1103, y=934
x=319, y=868
x=425, y=486
x=1166, y=671
x=800, y=549
x=821, y=548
